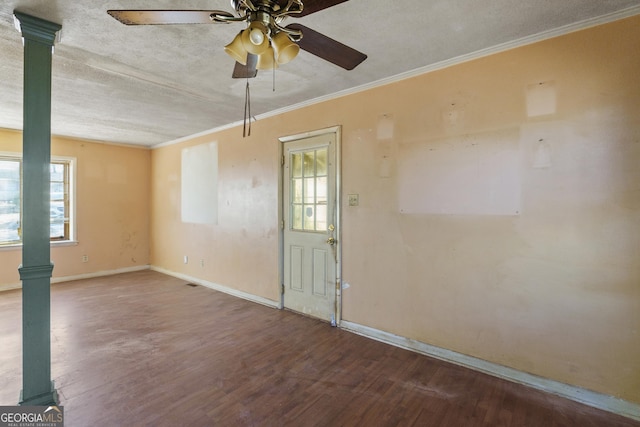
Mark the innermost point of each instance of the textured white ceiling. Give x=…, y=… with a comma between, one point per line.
x=147, y=85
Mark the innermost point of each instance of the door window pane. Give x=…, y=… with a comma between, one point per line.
x=321, y=162
x=297, y=217
x=309, y=217
x=308, y=167
x=296, y=165
x=297, y=190
x=309, y=194
x=309, y=191
x=321, y=189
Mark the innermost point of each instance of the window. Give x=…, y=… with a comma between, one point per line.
x=309, y=182
x=60, y=209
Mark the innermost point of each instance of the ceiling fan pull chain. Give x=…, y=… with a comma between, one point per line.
x=246, y=130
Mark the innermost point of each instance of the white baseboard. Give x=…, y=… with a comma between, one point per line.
x=587, y=397
x=10, y=286
x=99, y=274
x=61, y=279
x=220, y=288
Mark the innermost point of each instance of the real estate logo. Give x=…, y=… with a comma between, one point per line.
x=31, y=416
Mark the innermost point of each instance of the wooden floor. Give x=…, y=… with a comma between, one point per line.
x=145, y=349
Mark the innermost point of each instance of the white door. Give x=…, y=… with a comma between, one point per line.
x=310, y=227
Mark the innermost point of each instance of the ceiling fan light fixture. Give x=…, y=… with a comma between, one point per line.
x=236, y=49
x=284, y=47
x=254, y=38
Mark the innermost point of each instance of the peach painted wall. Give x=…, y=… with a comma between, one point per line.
x=499, y=210
x=238, y=251
x=112, y=209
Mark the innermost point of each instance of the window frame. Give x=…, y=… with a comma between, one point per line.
x=70, y=200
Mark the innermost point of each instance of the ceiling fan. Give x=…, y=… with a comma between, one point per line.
x=265, y=43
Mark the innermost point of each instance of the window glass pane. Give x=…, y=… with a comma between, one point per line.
x=9, y=201
x=308, y=168
x=57, y=190
x=309, y=217
x=297, y=190
x=297, y=217
x=309, y=191
x=59, y=205
x=321, y=218
x=321, y=162
x=296, y=165
x=56, y=210
x=321, y=189
x=57, y=229
x=57, y=172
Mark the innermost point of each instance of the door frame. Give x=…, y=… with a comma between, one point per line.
x=337, y=130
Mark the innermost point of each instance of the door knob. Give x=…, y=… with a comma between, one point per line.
x=331, y=241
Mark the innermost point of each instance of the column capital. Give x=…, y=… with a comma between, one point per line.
x=36, y=29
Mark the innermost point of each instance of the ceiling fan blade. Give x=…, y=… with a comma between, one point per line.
x=159, y=17
x=248, y=71
x=311, y=6
x=327, y=48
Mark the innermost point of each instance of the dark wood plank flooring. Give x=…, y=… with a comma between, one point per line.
x=145, y=349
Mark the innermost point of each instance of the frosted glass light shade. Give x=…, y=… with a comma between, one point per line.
x=236, y=49
x=266, y=60
x=285, y=49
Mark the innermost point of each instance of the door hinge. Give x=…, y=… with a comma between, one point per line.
x=282, y=225
x=282, y=289
x=282, y=161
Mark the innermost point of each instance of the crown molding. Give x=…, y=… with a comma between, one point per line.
x=502, y=47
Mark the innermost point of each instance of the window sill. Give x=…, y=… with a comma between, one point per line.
x=53, y=245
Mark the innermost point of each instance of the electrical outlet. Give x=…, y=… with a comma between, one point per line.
x=186, y=259
x=85, y=258
x=353, y=200
x=201, y=263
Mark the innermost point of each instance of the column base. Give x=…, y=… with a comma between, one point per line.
x=49, y=398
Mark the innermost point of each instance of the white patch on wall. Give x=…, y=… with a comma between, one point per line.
x=385, y=153
x=476, y=174
x=385, y=126
x=453, y=117
x=542, y=155
x=200, y=184
x=541, y=99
